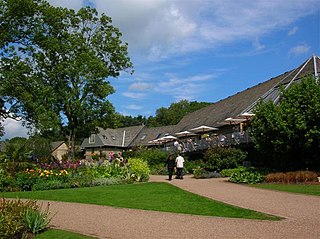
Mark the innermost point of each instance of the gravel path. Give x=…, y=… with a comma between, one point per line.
x=301, y=213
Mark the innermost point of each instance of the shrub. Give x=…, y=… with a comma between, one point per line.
x=36, y=220
x=202, y=173
x=198, y=172
x=139, y=170
x=229, y=172
x=16, y=219
x=10, y=218
x=292, y=177
x=153, y=156
x=159, y=169
x=105, y=170
x=25, y=180
x=79, y=180
x=191, y=165
x=7, y=183
x=13, y=167
x=249, y=176
x=49, y=184
x=218, y=158
x=105, y=181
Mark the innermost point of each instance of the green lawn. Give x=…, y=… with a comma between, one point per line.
x=147, y=196
x=55, y=234
x=310, y=189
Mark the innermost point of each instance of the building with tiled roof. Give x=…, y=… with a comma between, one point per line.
x=214, y=115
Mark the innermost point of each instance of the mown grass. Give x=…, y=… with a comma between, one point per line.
x=309, y=189
x=55, y=234
x=147, y=196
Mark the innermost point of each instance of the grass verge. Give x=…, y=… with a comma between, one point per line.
x=54, y=234
x=147, y=196
x=309, y=189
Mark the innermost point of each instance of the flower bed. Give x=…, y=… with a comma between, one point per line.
x=55, y=176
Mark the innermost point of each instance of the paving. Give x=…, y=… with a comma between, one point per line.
x=301, y=215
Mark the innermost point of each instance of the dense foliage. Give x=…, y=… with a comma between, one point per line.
x=247, y=175
x=55, y=64
x=19, y=219
x=164, y=116
x=292, y=177
x=219, y=158
x=152, y=156
x=175, y=112
x=288, y=134
x=68, y=175
x=139, y=170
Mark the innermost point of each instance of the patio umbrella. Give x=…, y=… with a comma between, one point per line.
x=234, y=120
x=247, y=115
x=203, y=128
x=157, y=141
x=168, y=138
x=185, y=133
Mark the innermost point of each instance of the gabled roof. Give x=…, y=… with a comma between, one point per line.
x=212, y=115
x=308, y=68
x=148, y=134
x=55, y=145
x=245, y=101
x=121, y=137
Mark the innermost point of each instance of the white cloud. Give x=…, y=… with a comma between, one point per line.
x=13, y=129
x=133, y=107
x=257, y=45
x=185, y=88
x=73, y=4
x=293, y=31
x=134, y=95
x=140, y=86
x=158, y=29
x=300, y=49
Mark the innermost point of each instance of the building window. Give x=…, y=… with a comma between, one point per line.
x=92, y=139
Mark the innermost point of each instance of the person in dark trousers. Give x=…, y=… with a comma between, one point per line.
x=179, y=165
x=170, y=163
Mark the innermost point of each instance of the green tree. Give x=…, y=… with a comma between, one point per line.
x=40, y=147
x=58, y=78
x=289, y=133
x=16, y=150
x=175, y=112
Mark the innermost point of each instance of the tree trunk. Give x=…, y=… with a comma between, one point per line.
x=71, y=141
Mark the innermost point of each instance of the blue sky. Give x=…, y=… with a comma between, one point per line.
x=202, y=50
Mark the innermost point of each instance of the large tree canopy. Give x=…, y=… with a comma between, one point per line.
x=55, y=75
x=289, y=133
x=174, y=113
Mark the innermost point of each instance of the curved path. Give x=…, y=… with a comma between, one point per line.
x=301, y=213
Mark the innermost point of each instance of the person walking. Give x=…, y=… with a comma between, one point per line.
x=170, y=163
x=179, y=165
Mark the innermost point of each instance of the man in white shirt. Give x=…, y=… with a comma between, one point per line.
x=179, y=164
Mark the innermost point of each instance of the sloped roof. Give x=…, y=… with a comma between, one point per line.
x=55, y=145
x=148, y=134
x=244, y=101
x=309, y=67
x=212, y=115
x=120, y=137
